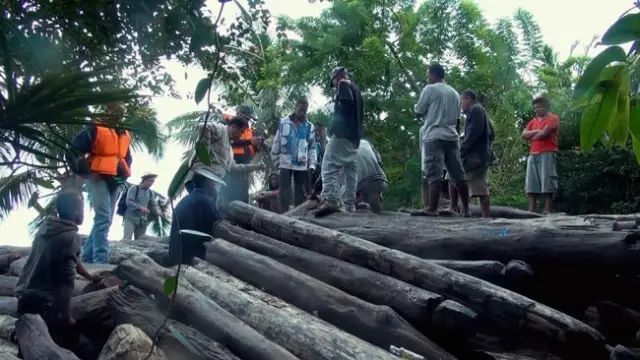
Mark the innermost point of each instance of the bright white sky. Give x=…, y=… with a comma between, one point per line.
x=562, y=22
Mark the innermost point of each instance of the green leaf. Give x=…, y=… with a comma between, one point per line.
x=202, y=88
x=175, y=187
x=598, y=114
x=626, y=29
x=619, y=125
x=203, y=153
x=634, y=122
x=44, y=183
x=593, y=71
x=170, y=285
x=636, y=149
x=33, y=199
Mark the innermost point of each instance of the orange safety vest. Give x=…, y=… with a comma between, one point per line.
x=243, y=147
x=109, y=148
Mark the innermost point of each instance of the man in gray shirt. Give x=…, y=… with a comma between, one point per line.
x=439, y=106
x=140, y=203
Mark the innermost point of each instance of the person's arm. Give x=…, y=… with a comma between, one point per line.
x=275, y=147
x=548, y=129
x=473, y=128
x=131, y=198
x=312, y=152
x=85, y=274
x=127, y=158
x=244, y=168
x=83, y=142
x=422, y=106
x=64, y=277
x=527, y=133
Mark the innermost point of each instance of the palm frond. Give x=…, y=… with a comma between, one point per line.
x=15, y=191
x=183, y=128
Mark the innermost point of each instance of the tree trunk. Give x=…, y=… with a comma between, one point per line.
x=178, y=341
x=554, y=245
x=6, y=260
x=413, y=303
x=200, y=312
x=617, y=323
x=91, y=305
x=376, y=324
x=304, y=335
x=9, y=306
x=492, y=271
x=7, y=285
x=35, y=342
x=513, y=311
x=127, y=342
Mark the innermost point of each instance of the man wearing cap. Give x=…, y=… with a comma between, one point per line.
x=339, y=160
x=140, y=203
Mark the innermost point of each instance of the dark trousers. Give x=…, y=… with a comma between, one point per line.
x=300, y=187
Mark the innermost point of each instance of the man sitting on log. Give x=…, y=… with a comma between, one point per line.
x=196, y=212
x=48, y=277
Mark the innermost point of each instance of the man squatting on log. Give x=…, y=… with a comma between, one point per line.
x=47, y=281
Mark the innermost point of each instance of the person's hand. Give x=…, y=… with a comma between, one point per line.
x=95, y=278
x=260, y=196
x=145, y=211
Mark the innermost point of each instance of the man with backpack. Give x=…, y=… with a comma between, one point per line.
x=135, y=207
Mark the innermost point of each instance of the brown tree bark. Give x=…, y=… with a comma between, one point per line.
x=411, y=302
x=35, y=342
x=376, y=324
x=301, y=333
x=133, y=306
x=511, y=310
x=202, y=313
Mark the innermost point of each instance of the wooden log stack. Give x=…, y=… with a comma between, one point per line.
x=356, y=286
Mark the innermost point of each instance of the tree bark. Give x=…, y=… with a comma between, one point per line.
x=35, y=342
x=7, y=326
x=91, y=305
x=133, y=306
x=200, y=312
x=492, y=271
x=376, y=324
x=9, y=306
x=554, y=245
x=127, y=342
x=513, y=311
x=7, y=285
x=8, y=350
x=304, y=335
x=6, y=260
x=413, y=303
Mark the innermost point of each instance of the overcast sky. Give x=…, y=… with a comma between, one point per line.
x=561, y=21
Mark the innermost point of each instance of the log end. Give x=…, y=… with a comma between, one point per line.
x=452, y=318
x=127, y=342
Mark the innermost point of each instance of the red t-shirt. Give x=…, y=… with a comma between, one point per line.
x=549, y=144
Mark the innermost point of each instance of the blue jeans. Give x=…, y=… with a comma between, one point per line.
x=103, y=201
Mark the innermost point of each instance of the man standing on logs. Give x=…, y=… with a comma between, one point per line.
x=439, y=105
x=542, y=134
x=48, y=277
x=216, y=139
x=340, y=155
x=294, y=154
x=109, y=161
x=196, y=212
x=475, y=149
x=140, y=203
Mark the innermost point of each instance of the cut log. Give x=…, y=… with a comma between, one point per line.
x=9, y=306
x=6, y=260
x=453, y=319
x=304, y=335
x=513, y=311
x=376, y=324
x=553, y=245
x=7, y=326
x=127, y=342
x=484, y=269
x=8, y=350
x=617, y=323
x=202, y=313
x=35, y=342
x=620, y=352
x=15, y=269
x=91, y=305
x=411, y=302
x=7, y=285
x=178, y=341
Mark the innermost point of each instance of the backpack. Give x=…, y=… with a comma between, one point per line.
x=122, y=203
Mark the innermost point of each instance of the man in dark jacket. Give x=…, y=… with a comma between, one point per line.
x=342, y=150
x=48, y=277
x=195, y=212
x=475, y=149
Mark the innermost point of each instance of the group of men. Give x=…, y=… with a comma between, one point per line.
x=350, y=174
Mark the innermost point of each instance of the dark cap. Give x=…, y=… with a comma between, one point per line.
x=337, y=71
x=245, y=111
x=149, y=176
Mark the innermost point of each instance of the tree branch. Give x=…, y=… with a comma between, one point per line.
x=412, y=81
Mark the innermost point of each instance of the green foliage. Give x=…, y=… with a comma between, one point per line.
x=591, y=75
x=170, y=285
x=177, y=183
x=203, y=153
x=202, y=88
x=598, y=114
x=625, y=29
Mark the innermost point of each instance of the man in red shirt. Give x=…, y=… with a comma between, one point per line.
x=542, y=134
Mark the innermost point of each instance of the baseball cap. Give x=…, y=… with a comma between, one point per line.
x=245, y=111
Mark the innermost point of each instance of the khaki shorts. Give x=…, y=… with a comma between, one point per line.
x=542, y=177
x=477, y=182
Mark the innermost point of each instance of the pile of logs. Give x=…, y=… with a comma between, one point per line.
x=356, y=286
